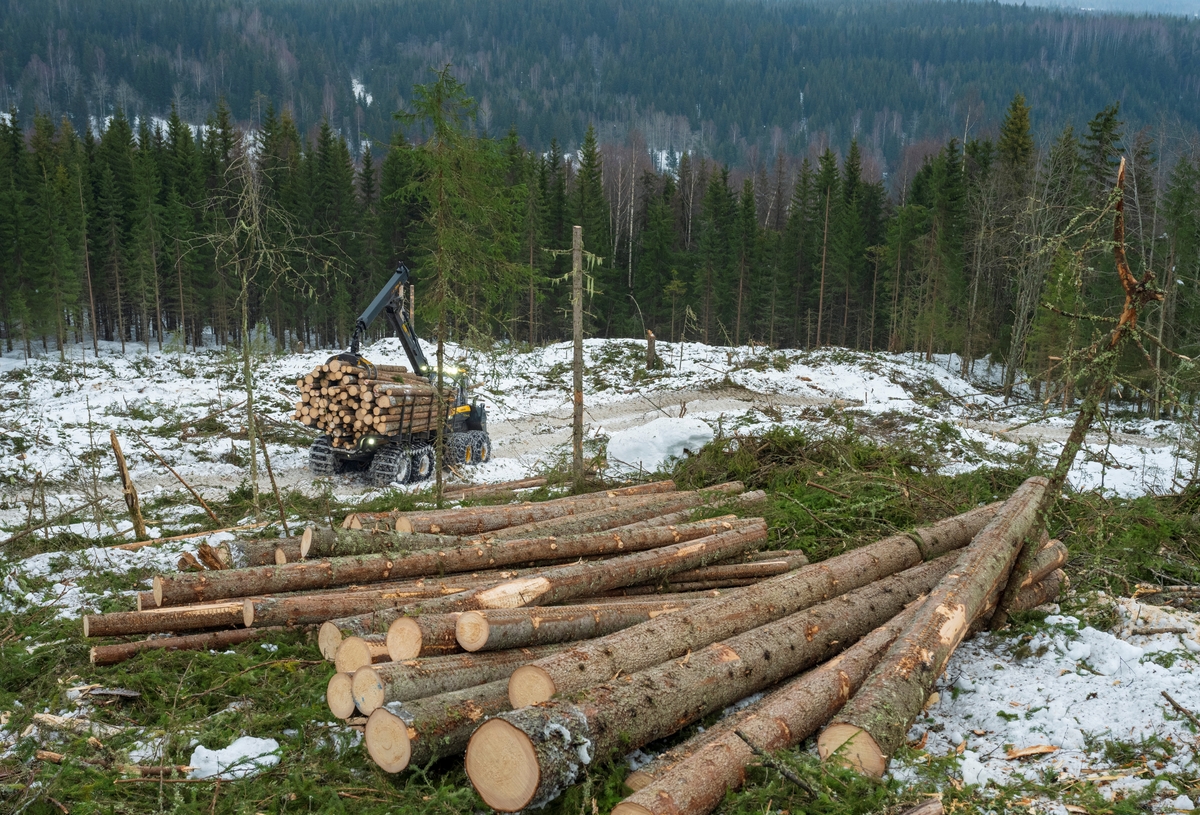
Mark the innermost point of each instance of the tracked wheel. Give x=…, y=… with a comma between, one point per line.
x=481, y=446
x=422, y=463
x=391, y=465
x=459, y=449
x=321, y=459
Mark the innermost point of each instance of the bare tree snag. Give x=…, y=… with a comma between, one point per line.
x=873, y=724
x=113, y=654
x=673, y=636
x=427, y=635
x=131, y=496
x=495, y=630
x=359, y=652
x=378, y=685
x=631, y=711
x=420, y=731
x=566, y=582
x=308, y=575
x=338, y=695
x=695, y=776
x=154, y=621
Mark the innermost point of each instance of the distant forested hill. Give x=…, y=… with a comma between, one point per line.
x=726, y=76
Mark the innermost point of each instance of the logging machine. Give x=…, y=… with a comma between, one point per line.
x=406, y=455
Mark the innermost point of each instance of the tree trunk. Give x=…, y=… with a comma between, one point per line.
x=578, y=580
x=423, y=730
x=188, y=618
x=674, y=635
x=873, y=724
x=358, y=652
x=494, y=630
x=631, y=711
x=378, y=685
x=425, y=636
x=112, y=654
x=824, y=252
x=191, y=587
x=695, y=776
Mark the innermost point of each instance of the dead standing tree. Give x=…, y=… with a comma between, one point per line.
x=1101, y=365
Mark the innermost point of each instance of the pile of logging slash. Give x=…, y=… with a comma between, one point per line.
x=347, y=402
x=538, y=638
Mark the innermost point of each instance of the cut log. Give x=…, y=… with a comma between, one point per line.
x=873, y=724
x=428, y=635
x=563, y=583
x=332, y=632
x=617, y=716
x=477, y=491
x=667, y=509
x=155, y=621
x=242, y=554
x=1046, y=590
x=308, y=575
x=695, y=776
x=340, y=543
x=524, y=627
x=426, y=729
x=378, y=685
x=674, y=635
x=359, y=652
x=318, y=608
x=478, y=520
x=113, y=654
x=338, y=695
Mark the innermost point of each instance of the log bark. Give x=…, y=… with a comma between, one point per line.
x=1046, y=590
x=674, y=635
x=695, y=776
x=874, y=723
x=378, y=685
x=477, y=491
x=155, y=621
x=242, y=554
x=577, y=580
x=318, y=608
x=359, y=652
x=664, y=509
x=629, y=712
x=192, y=587
x=113, y=654
x=328, y=543
x=428, y=635
x=495, y=630
x=426, y=729
x=479, y=520
x=509, y=756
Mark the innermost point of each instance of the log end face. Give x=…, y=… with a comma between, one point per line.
x=530, y=685
x=86, y=625
x=367, y=690
x=280, y=556
x=515, y=593
x=329, y=638
x=503, y=766
x=306, y=542
x=852, y=747
x=404, y=639
x=637, y=780
x=92, y=654
x=158, y=591
x=338, y=695
x=351, y=655
x=404, y=526
x=387, y=741
x=248, y=613
x=471, y=630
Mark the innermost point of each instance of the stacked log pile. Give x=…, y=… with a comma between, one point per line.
x=535, y=639
x=347, y=401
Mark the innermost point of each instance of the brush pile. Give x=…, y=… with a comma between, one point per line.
x=348, y=402
x=537, y=638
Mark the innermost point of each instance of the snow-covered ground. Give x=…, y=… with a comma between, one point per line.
x=1071, y=688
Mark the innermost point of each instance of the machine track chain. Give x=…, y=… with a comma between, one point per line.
x=390, y=465
x=321, y=460
x=422, y=457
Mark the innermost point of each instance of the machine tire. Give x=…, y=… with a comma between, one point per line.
x=422, y=464
x=390, y=465
x=459, y=449
x=481, y=446
x=321, y=459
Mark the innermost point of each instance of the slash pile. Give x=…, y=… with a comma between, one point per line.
x=347, y=401
x=537, y=638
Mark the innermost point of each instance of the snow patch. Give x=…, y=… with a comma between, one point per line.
x=652, y=445
x=246, y=757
